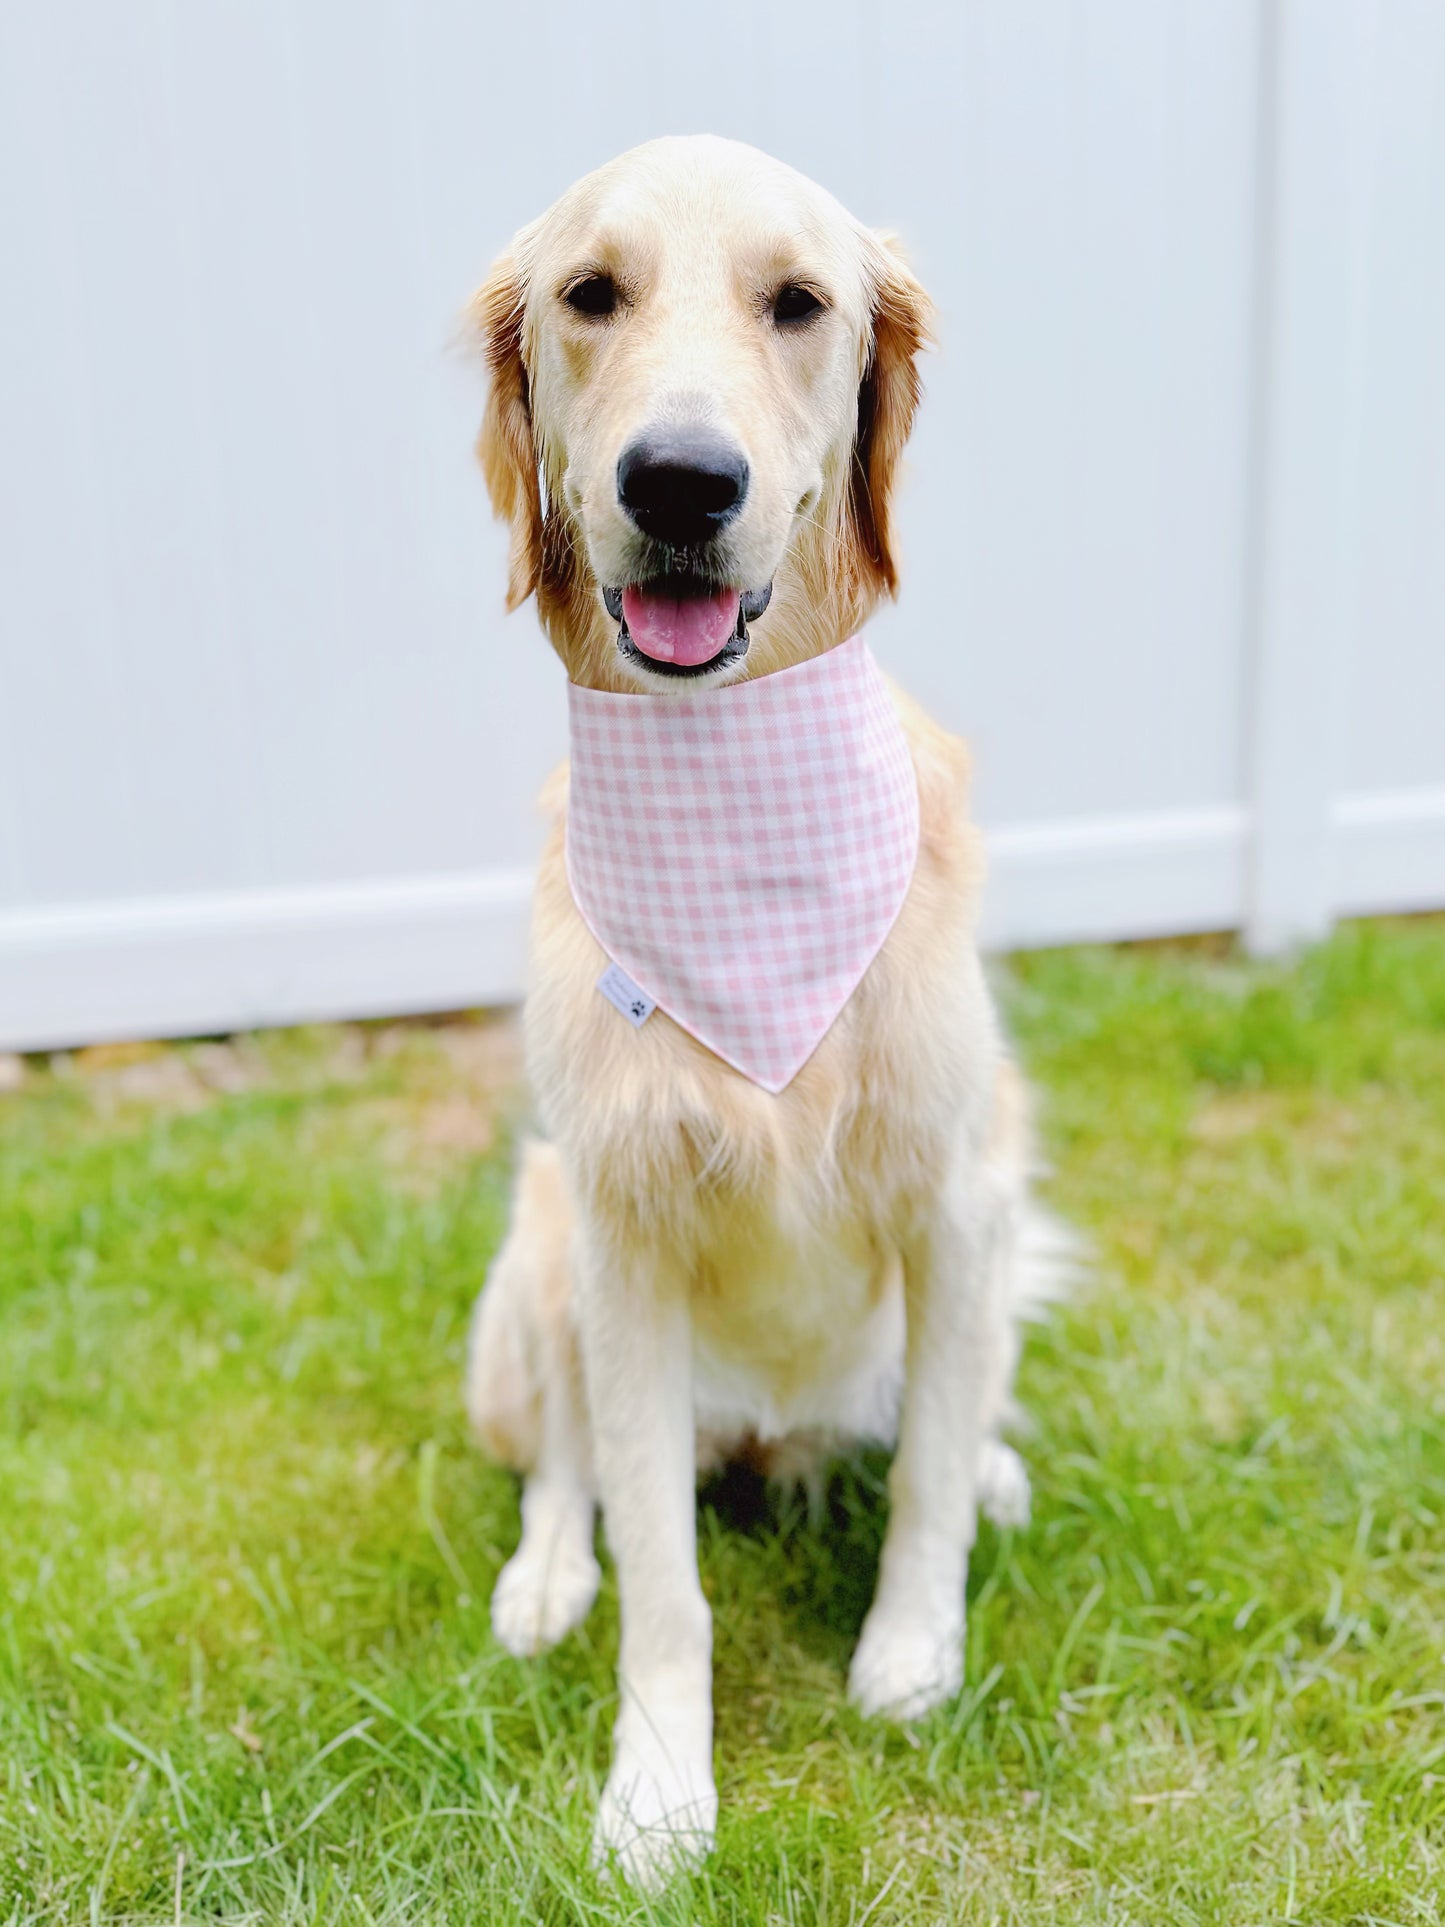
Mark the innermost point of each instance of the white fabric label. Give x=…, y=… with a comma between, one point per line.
x=624, y=995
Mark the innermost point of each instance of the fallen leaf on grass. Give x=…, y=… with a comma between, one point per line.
x=241, y=1730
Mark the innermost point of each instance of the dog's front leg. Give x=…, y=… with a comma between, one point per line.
x=659, y=1807
x=910, y=1654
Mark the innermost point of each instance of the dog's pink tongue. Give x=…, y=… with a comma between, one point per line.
x=686, y=632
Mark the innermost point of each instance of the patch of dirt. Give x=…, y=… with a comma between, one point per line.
x=229, y=1068
x=1324, y=1125
x=116, y=1075
x=450, y=1082
x=1232, y=1115
x=484, y=1052
x=463, y=1083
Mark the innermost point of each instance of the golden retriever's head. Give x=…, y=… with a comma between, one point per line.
x=703, y=375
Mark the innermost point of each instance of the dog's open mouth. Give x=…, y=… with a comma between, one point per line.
x=683, y=625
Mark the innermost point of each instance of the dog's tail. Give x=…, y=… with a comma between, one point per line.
x=1052, y=1260
x=1046, y=1257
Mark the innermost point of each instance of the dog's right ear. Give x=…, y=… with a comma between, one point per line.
x=506, y=444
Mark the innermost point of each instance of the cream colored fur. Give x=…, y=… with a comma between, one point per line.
x=694, y=1266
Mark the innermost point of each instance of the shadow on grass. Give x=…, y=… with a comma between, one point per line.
x=824, y=1555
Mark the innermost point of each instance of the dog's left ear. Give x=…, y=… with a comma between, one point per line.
x=506, y=445
x=887, y=402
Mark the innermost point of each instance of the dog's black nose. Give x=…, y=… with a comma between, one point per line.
x=680, y=485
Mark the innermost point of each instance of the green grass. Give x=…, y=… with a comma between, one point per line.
x=246, y=1548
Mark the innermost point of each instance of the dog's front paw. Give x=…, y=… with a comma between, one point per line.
x=541, y=1594
x=655, y=1821
x=905, y=1664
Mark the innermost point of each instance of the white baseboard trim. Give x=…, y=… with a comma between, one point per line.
x=185, y=966
x=1105, y=878
x=1389, y=849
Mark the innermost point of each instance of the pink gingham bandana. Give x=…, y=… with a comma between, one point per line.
x=742, y=853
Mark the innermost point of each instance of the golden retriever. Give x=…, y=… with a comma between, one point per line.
x=695, y=1267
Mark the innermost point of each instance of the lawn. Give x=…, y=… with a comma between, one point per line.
x=246, y=1546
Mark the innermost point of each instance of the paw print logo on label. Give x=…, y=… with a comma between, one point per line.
x=624, y=995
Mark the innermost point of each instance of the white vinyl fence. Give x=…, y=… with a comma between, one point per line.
x=1175, y=525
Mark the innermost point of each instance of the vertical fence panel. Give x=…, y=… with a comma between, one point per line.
x=1389, y=811
x=1315, y=59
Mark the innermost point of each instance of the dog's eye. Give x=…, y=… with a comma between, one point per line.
x=594, y=294
x=795, y=303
